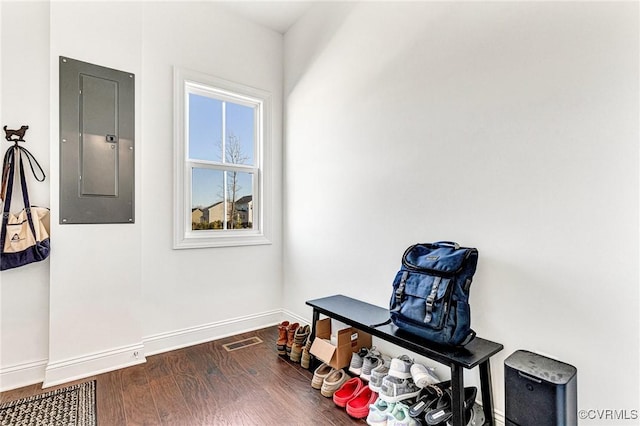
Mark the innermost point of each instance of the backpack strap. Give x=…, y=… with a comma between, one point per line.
x=469, y=338
x=381, y=324
x=399, y=292
x=432, y=298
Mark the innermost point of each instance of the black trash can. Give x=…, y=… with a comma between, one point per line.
x=539, y=391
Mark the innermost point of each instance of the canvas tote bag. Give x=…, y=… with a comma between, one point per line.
x=24, y=237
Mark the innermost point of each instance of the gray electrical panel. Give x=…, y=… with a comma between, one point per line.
x=97, y=128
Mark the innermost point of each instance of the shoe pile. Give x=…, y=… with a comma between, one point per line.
x=394, y=391
x=432, y=406
x=401, y=379
x=399, y=382
x=293, y=340
x=351, y=393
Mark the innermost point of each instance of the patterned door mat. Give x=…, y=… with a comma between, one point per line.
x=74, y=406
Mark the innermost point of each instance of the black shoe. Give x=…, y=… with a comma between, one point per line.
x=442, y=411
x=427, y=399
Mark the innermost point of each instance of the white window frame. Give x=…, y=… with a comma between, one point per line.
x=188, y=81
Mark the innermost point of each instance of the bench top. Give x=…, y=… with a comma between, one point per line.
x=362, y=316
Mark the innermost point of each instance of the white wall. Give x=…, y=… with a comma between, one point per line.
x=203, y=288
x=511, y=127
x=24, y=99
x=109, y=291
x=508, y=126
x=95, y=269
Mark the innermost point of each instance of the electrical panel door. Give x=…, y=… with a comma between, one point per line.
x=96, y=144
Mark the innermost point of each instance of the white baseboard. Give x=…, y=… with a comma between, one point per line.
x=177, y=339
x=58, y=372
x=19, y=375
x=291, y=317
x=92, y=364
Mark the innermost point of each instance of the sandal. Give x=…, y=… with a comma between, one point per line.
x=427, y=399
x=442, y=411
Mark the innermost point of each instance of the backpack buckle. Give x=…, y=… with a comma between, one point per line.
x=431, y=299
x=400, y=290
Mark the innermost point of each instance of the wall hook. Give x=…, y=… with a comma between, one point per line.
x=15, y=135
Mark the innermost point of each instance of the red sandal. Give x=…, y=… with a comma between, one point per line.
x=358, y=406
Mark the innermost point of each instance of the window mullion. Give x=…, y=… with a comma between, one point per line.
x=224, y=132
x=225, y=205
x=224, y=160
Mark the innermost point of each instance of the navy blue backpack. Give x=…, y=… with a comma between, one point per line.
x=430, y=297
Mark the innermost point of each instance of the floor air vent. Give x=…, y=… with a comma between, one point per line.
x=240, y=344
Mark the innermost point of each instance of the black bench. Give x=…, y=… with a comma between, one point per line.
x=362, y=316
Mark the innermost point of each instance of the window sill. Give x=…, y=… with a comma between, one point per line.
x=194, y=241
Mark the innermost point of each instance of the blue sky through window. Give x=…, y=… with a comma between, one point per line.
x=205, y=136
x=240, y=124
x=205, y=128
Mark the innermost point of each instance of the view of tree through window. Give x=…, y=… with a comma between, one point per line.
x=221, y=145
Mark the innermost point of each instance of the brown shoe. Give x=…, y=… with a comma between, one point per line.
x=299, y=339
x=291, y=332
x=281, y=343
x=305, y=359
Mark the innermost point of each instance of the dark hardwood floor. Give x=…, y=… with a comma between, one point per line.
x=206, y=385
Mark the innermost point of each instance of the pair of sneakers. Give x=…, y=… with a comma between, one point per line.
x=404, y=367
x=365, y=361
x=379, y=373
x=390, y=413
x=395, y=389
x=404, y=380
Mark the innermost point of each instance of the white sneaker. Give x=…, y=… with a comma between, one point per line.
x=423, y=376
x=401, y=367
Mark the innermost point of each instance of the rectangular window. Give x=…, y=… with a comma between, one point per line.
x=221, y=167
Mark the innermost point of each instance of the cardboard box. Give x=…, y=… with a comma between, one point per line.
x=349, y=340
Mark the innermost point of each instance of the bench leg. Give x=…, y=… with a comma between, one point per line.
x=457, y=393
x=312, y=335
x=487, y=394
x=316, y=317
